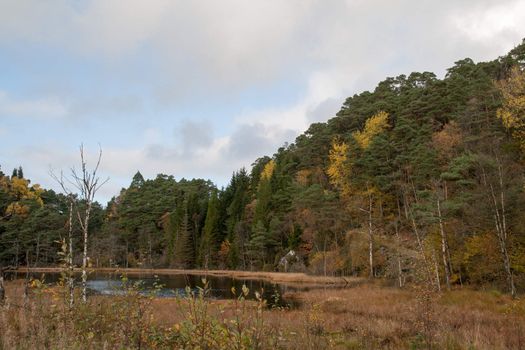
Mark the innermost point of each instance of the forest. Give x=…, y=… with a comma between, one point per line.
x=421, y=179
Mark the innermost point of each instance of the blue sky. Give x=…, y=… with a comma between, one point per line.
x=201, y=88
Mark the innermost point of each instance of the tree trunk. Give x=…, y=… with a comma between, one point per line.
x=436, y=270
x=70, y=274
x=506, y=262
x=370, y=236
x=85, y=227
x=444, y=245
x=324, y=256
x=2, y=288
x=127, y=253
x=37, y=250
x=150, y=250
x=500, y=224
x=399, y=269
x=26, y=282
x=422, y=250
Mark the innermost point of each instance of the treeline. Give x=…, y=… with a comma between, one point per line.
x=422, y=178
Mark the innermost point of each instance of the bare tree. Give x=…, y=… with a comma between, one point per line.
x=370, y=231
x=444, y=241
x=70, y=278
x=370, y=235
x=501, y=227
x=87, y=183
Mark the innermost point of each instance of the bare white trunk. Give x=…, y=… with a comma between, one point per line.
x=502, y=239
x=505, y=256
x=85, y=227
x=70, y=277
x=88, y=184
x=501, y=226
x=399, y=269
x=2, y=288
x=502, y=200
x=436, y=271
x=370, y=236
x=420, y=246
x=444, y=245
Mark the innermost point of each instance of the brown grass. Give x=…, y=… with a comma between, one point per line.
x=367, y=316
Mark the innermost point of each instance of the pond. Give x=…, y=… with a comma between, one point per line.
x=175, y=285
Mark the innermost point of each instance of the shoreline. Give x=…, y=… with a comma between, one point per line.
x=287, y=278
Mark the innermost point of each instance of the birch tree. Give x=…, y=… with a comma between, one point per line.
x=2, y=289
x=497, y=200
x=87, y=182
x=68, y=244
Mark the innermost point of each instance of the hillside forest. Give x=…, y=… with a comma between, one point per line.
x=421, y=179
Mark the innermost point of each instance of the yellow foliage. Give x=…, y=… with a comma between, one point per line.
x=302, y=176
x=267, y=172
x=18, y=209
x=481, y=257
x=374, y=126
x=448, y=138
x=19, y=188
x=37, y=190
x=339, y=169
x=512, y=113
x=330, y=260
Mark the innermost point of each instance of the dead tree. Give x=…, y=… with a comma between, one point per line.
x=444, y=241
x=68, y=247
x=87, y=183
x=370, y=236
x=368, y=211
x=500, y=221
x=69, y=257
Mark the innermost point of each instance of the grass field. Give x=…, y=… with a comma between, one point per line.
x=365, y=316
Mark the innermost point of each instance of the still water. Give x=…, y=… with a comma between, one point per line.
x=219, y=287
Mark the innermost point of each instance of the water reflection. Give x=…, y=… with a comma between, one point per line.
x=166, y=286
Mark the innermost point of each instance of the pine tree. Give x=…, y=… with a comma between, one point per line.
x=209, y=242
x=184, y=253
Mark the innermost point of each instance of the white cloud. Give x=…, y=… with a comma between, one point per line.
x=35, y=108
x=499, y=21
x=492, y=29
x=194, y=136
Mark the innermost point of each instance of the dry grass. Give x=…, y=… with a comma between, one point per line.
x=392, y=318
x=364, y=317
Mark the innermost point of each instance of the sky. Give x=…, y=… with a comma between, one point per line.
x=202, y=88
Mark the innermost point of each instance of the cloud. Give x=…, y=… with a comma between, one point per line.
x=31, y=108
x=495, y=26
x=250, y=141
x=323, y=111
x=194, y=136
x=102, y=105
x=196, y=48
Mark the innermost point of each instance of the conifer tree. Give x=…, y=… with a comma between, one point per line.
x=209, y=242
